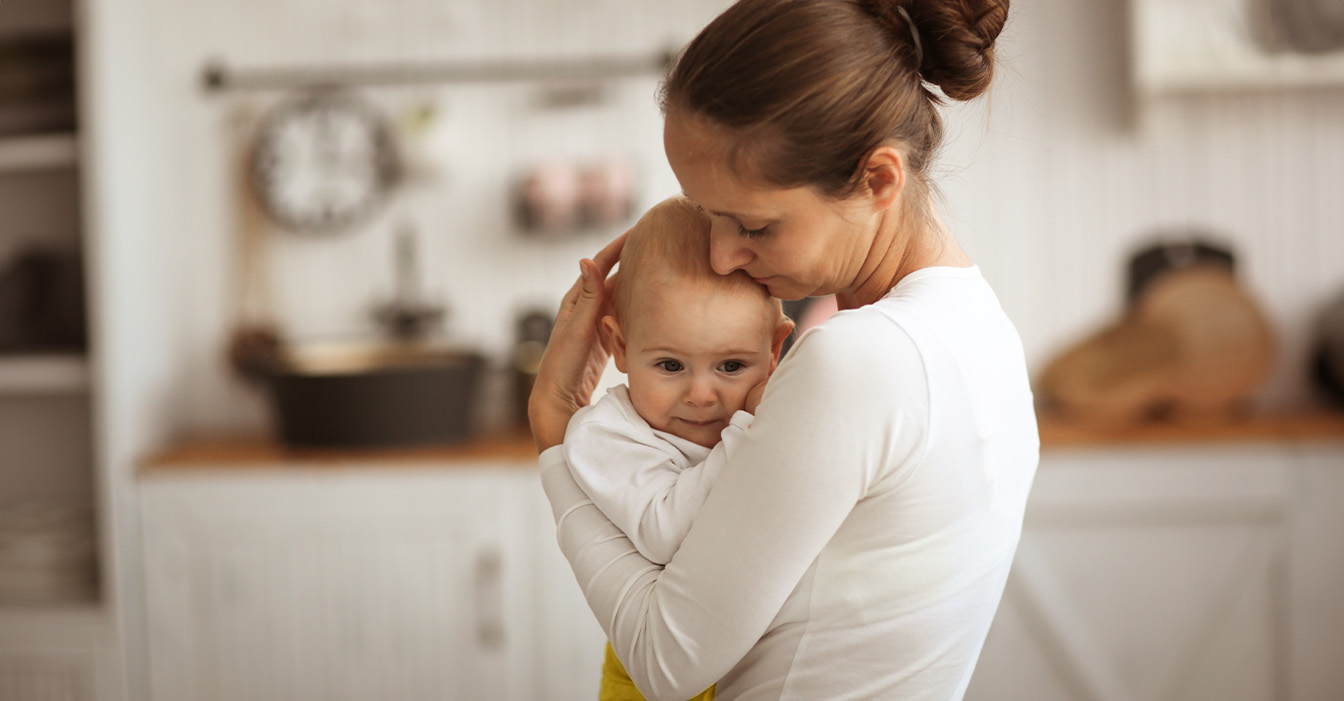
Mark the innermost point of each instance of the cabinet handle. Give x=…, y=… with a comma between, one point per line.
x=490, y=598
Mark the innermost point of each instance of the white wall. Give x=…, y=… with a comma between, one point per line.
x=1050, y=183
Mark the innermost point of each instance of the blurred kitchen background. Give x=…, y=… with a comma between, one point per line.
x=209, y=269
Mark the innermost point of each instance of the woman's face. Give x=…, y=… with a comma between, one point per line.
x=792, y=240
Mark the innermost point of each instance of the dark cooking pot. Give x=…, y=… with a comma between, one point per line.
x=366, y=396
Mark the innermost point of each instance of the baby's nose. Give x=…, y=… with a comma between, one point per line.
x=701, y=393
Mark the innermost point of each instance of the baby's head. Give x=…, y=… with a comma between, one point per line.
x=693, y=343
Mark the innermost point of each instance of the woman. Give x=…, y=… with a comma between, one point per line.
x=857, y=544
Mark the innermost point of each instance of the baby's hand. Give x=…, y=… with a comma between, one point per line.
x=754, y=397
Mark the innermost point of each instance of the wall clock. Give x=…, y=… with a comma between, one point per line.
x=322, y=161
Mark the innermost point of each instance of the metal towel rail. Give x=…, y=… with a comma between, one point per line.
x=219, y=77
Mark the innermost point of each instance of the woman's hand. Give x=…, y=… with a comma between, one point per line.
x=577, y=351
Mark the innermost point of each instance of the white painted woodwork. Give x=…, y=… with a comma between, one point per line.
x=1176, y=573
x=1195, y=572
x=359, y=583
x=60, y=644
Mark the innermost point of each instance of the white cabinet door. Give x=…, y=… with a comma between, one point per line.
x=569, y=641
x=1148, y=574
x=368, y=584
x=1318, y=574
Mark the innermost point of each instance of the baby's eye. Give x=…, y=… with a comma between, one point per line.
x=732, y=366
x=669, y=365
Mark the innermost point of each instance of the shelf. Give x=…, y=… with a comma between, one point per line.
x=75, y=623
x=1280, y=72
x=45, y=152
x=1194, y=46
x=44, y=374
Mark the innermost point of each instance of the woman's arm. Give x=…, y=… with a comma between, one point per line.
x=812, y=452
x=576, y=353
x=641, y=482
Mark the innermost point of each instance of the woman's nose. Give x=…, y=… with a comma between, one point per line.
x=726, y=252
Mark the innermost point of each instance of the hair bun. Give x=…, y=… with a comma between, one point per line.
x=900, y=24
x=957, y=39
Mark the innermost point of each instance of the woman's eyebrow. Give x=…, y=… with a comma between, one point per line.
x=717, y=213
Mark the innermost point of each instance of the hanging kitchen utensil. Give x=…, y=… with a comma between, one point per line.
x=255, y=341
x=1328, y=356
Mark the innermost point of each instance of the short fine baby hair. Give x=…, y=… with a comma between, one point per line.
x=671, y=242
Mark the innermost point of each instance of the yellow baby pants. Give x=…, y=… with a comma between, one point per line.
x=617, y=686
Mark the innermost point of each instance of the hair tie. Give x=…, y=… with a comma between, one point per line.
x=914, y=36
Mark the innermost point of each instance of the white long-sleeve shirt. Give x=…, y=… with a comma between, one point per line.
x=857, y=543
x=649, y=483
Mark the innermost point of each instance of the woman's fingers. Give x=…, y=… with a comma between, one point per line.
x=606, y=258
x=577, y=351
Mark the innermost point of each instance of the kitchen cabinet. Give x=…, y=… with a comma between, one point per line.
x=1204, y=570
x=1185, y=46
x=44, y=368
x=1148, y=569
x=359, y=581
x=55, y=632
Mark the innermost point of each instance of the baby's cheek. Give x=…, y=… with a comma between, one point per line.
x=743, y=387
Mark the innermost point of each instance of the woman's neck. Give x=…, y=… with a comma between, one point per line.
x=898, y=250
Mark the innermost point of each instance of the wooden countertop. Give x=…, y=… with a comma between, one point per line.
x=1305, y=425
x=259, y=452
x=256, y=452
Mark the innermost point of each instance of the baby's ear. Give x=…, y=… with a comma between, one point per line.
x=782, y=332
x=613, y=329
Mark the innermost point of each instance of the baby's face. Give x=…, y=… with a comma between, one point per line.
x=692, y=353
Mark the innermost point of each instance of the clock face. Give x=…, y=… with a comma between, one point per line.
x=322, y=161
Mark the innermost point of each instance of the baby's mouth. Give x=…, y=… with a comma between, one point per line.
x=701, y=424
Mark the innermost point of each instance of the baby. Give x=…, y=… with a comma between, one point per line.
x=693, y=345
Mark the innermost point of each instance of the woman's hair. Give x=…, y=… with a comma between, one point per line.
x=811, y=87
x=671, y=243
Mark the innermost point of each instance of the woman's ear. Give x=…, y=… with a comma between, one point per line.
x=613, y=331
x=782, y=332
x=884, y=175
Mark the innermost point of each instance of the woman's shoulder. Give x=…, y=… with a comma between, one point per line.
x=871, y=328
x=856, y=349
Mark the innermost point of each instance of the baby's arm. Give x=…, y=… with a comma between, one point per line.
x=641, y=482
x=668, y=515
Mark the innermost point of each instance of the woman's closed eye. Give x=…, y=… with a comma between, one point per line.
x=743, y=230
x=752, y=233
